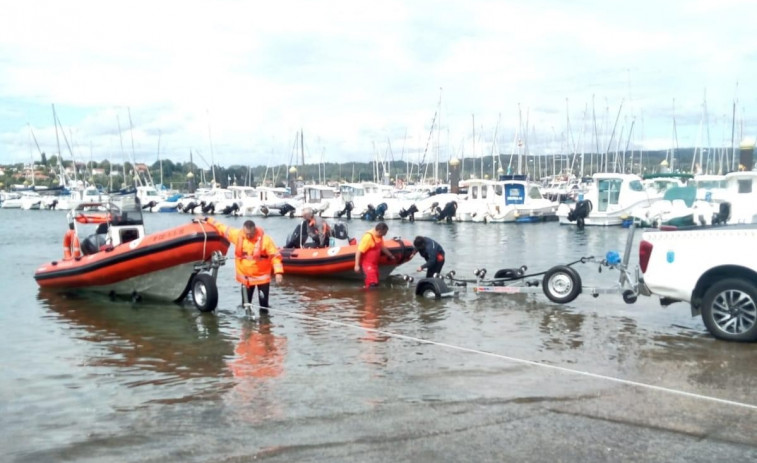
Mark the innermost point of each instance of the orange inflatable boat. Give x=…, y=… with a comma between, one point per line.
x=120, y=259
x=339, y=261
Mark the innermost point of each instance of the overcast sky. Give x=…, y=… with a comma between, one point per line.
x=236, y=80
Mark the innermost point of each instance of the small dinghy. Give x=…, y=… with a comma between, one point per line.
x=111, y=254
x=338, y=260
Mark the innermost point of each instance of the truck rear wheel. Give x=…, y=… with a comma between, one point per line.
x=729, y=310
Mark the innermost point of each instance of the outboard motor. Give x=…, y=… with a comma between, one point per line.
x=580, y=212
x=150, y=205
x=409, y=213
x=449, y=211
x=369, y=214
x=287, y=209
x=231, y=210
x=348, y=206
x=298, y=236
x=340, y=231
x=723, y=214
x=190, y=208
x=208, y=208
x=380, y=211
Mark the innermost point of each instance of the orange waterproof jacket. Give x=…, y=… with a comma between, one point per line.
x=256, y=258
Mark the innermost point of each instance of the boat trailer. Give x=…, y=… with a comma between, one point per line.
x=561, y=283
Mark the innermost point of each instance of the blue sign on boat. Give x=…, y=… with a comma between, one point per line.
x=514, y=194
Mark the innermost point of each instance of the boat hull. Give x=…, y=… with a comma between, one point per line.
x=339, y=261
x=157, y=266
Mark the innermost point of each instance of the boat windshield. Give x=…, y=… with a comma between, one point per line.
x=127, y=211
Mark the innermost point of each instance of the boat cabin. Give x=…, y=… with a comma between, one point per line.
x=100, y=225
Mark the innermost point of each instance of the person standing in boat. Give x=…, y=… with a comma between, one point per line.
x=318, y=229
x=433, y=252
x=256, y=255
x=369, y=251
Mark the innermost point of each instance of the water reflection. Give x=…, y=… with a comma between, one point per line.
x=561, y=329
x=259, y=354
x=259, y=358
x=176, y=343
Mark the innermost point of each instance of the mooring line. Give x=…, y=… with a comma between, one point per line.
x=523, y=361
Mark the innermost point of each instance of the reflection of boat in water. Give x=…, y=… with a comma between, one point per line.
x=173, y=342
x=339, y=261
x=120, y=259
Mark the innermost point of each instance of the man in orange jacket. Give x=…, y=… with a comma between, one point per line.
x=370, y=248
x=256, y=255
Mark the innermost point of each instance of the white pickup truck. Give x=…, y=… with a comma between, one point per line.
x=712, y=268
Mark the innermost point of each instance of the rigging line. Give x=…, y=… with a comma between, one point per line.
x=525, y=362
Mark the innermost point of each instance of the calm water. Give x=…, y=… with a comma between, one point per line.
x=88, y=379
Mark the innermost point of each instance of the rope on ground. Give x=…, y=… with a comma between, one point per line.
x=524, y=361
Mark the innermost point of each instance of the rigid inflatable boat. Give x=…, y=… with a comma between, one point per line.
x=338, y=261
x=119, y=259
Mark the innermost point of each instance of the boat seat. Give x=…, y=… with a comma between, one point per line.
x=92, y=243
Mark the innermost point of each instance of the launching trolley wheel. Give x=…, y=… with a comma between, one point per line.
x=629, y=297
x=431, y=288
x=204, y=292
x=428, y=291
x=561, y=284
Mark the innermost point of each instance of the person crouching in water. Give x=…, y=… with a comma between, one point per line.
x=318, y=229
x=370, y=248
x=432, y=252
x=255, y=254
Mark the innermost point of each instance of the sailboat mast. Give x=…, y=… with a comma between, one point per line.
x=160, y=161
x=438, y=139
x=302, y=147
x=212, y=155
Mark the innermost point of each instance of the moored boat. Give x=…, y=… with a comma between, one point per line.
x=119, y=259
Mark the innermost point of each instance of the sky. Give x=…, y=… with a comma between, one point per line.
x=234, y=81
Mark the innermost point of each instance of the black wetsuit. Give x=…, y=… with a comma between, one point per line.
x=433, y=252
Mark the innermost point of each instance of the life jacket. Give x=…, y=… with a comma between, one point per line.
x=71, y=247
x=255, y=268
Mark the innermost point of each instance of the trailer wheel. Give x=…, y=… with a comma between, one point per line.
x=204, y=292
x=729, y=310
x=561, y=284
x=428, y=290
x=629, y=297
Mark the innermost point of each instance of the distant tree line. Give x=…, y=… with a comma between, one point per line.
x=174, y=175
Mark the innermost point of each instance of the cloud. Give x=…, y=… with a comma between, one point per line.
x=360, y=77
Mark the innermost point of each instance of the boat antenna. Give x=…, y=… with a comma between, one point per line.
x=133, y=154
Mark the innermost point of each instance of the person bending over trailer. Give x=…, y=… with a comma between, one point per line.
x=369, y=249
x=433, y=252
x=255, y=255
